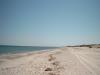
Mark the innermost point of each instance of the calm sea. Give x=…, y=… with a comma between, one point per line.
x=17, y=49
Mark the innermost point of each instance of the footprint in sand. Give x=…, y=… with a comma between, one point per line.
x=56, y=63
x=51, y=57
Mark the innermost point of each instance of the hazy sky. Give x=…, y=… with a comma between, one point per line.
x=49, y=22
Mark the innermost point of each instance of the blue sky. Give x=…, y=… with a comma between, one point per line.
x=49, y=22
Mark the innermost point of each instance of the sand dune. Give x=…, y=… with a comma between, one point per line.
x=63, y=61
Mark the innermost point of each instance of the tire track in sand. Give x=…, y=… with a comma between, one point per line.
x=84, y=62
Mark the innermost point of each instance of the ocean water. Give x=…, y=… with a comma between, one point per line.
x=4, y=49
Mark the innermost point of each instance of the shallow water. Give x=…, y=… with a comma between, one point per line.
x=17, y=49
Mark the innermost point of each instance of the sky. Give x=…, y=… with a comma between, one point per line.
x=49, y=22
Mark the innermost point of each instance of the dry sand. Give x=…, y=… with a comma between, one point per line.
x=63, y=61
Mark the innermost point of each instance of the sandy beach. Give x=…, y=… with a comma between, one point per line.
x=62, y=61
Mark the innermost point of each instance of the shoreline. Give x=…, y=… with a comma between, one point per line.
x=23, y=54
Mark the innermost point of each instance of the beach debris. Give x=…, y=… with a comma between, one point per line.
x=48, y=69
